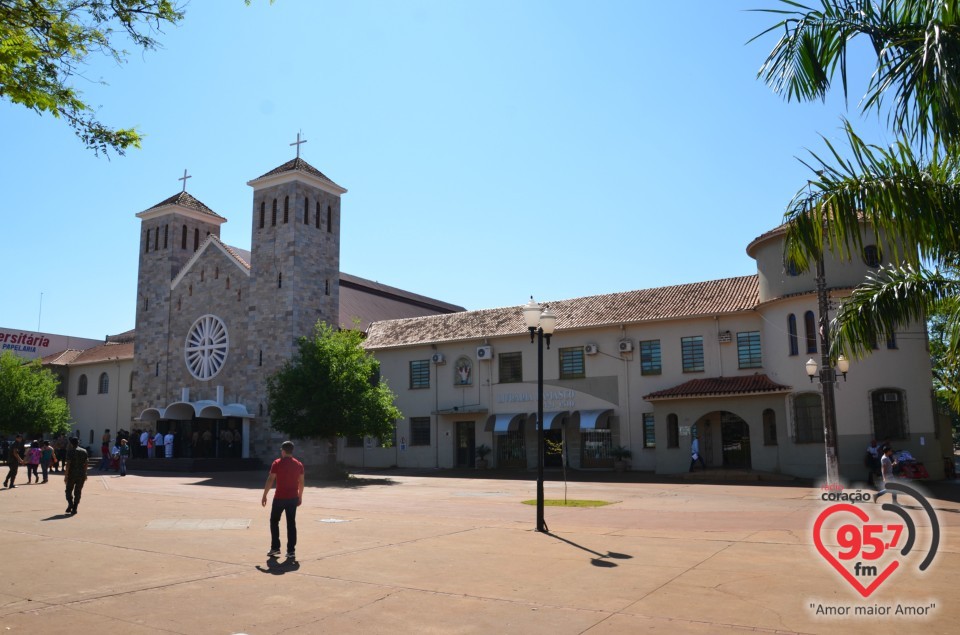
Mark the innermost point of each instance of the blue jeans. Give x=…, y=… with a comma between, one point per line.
x=288, y=505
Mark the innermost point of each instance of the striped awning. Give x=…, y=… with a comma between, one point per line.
x=507, y=422
x=552, y=420
x=593, y=419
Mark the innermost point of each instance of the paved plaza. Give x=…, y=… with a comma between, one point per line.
x=433, y=553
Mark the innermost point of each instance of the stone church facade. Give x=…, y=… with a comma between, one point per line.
x=213, y=322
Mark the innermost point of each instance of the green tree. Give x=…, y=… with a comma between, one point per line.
x=331, y=388
x=908, y=192
x=44, y=45
x=28, y=398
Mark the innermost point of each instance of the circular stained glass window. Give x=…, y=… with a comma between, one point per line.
x=205, y=350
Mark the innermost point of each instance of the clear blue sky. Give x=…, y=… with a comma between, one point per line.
x=492, y=150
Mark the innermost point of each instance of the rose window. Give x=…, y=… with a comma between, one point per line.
x=205, y=350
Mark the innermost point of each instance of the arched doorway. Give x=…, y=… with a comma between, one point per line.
x=735, y=440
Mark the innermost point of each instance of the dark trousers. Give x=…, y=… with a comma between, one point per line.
x=693, y=461
x=74, y=489
x=288, y=505
x=12, y=474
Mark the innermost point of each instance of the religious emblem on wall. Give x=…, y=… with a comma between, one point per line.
x=463, y=372
x=205, y=349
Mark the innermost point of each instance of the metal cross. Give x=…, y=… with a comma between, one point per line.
x=297, y=143
x=184, y=179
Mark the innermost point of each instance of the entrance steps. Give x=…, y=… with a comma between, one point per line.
x=193, y=465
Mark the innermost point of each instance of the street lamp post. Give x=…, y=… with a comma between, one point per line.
x=540, y=322
x=828, y=377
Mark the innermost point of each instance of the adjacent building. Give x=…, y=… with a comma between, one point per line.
x=649, y=370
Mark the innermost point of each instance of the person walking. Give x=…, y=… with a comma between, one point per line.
x=33, y=461
x=104, y=451
x=14, y=461
x=124, y=453
x=695, y=453
x=75, y=474
x=886, y=471
x=60, y=447
x=46, y=457
x=287, y=473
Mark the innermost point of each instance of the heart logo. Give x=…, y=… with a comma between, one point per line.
x=858, y=544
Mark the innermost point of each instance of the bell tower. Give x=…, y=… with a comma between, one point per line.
x=295, y=256
x=171, y=232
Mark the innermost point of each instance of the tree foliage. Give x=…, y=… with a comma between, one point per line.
x=45, y=44
x=331, y=388
x=909, y=192
x=28, y=398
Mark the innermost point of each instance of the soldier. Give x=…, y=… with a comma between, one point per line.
x=75, y=474
x=14, y=460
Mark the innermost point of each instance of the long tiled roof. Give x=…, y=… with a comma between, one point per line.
x=61, y=358
x=297, y=164
x=185, y=199
x=371, y=301
x=729, y=295
x=719, y=387
x=105, y=352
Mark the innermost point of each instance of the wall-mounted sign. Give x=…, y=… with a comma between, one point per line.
x=463, y=372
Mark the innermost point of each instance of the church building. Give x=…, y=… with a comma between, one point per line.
x=213, y=322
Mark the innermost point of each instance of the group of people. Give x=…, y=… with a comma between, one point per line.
x=42, y=455
x=286, y=473
x=40, y=458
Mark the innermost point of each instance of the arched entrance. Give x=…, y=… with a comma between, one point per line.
x=735, y=440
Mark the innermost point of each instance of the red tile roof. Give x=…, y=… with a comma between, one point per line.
x=729, y=295
x=62, y=358
x=720, y=387
x=105, y=352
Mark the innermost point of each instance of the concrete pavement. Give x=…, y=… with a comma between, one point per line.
x=402, y=553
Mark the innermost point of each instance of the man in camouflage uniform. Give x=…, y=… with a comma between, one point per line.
x=75, y=474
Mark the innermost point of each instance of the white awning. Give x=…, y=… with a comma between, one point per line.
x=552, y=420
x=189, y=409
x=593, y=419
x=508, y=422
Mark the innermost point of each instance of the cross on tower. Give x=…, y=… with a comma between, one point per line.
x=184, y=179
x=297, y=143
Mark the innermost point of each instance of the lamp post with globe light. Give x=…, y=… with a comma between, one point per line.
x=540, y=322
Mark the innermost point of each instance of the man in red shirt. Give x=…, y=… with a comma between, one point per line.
x=287, y=473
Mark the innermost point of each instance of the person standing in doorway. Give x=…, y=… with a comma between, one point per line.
x=14, y=461
x=695, y=453
x=168, y=444
x=287, y=473
x=145, y=445
x=75, y=474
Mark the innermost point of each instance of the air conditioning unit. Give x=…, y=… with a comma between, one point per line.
x=438, y=359
x=625, y=346
x=485, y=352
x=890, y=396
x=591, y=349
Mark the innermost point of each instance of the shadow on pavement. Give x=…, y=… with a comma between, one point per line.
x=601, y=559
x=278, y=567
